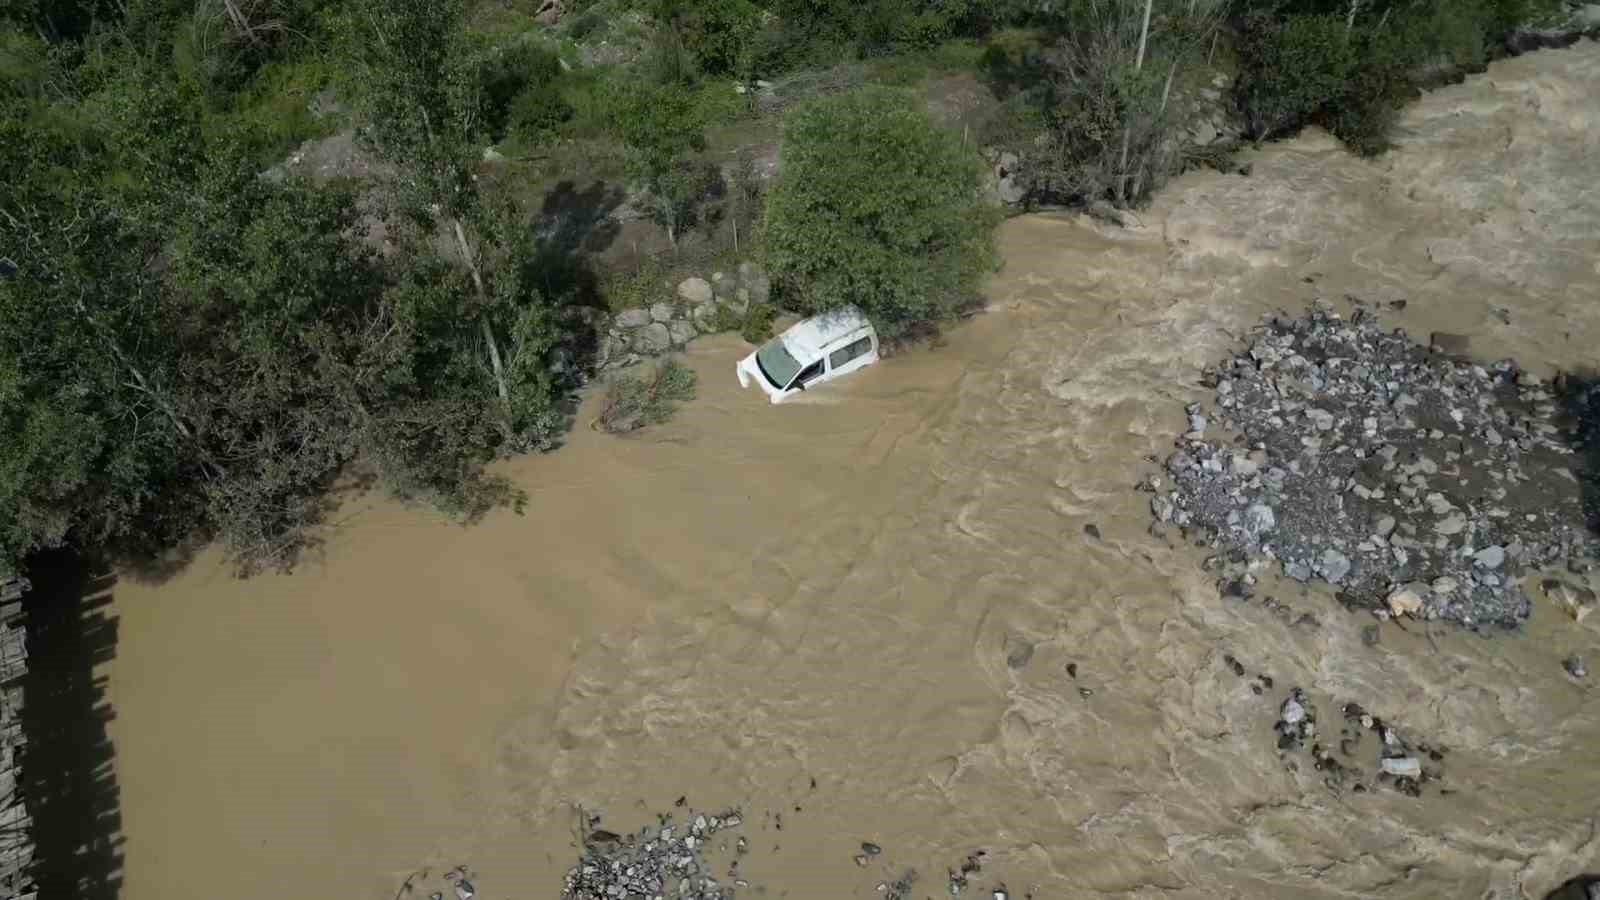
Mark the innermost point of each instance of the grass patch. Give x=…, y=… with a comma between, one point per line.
x=908, y=69
x=640, y=288
x=272, y=114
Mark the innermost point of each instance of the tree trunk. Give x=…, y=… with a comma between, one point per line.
x=1166, y=90
x=1144, y=36
x=483, y=316
x=1127, y=132
x=241, y=24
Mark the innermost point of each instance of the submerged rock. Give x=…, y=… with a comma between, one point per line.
x=1401, y=767
x=1577, y=601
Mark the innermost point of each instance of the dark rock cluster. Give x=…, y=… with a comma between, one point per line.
x=1343, y=759
x=668, y=860
x=1415, y=481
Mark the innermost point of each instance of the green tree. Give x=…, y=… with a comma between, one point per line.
x=877, y=207
x=270, y=300
x=662, y=128
x=88, y=422
x=719, y=33
x=188, y=348
x=421, y=82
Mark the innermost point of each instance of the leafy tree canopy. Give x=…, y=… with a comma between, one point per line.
x=879, y=208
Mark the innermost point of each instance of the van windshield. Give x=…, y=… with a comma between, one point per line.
x=776, y=363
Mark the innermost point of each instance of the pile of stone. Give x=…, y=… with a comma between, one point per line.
x=698, y=307
x=1415, y=481
x=668, y=860
x=1397, y=762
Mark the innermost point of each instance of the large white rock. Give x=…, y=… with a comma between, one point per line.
x=695, y=290
x=1408, y=600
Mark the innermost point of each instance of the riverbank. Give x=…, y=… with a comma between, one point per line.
x=751, y=597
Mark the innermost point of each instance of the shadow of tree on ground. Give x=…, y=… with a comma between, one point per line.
x=572, y=226
x=68, y=772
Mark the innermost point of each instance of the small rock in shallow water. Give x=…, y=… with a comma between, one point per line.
x=1402, y=766
x=1577, y=601
x=870, y=849
x=1408, y=600
x=1019, y=651
x=1574, y=666
x=1092, y=530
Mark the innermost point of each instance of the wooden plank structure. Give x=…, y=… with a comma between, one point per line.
x=16, y=846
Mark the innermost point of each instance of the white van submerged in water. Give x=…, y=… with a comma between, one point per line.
x=812, y=351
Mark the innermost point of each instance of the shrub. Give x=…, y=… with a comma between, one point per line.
x=756, y=326
x=1290, y=70
x=538, y=113
x=721, y=34
x=632, y=403
x=520, y=87
x=879, y=208
x=637, y=289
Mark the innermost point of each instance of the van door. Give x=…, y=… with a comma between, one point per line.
x=807, y=375
x=851, y=356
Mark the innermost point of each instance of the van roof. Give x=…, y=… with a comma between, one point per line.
x=806, y=338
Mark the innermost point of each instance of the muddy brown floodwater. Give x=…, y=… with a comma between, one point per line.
x=750, y=597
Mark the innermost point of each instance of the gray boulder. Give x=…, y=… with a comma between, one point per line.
x=633, y=318
x=1010, y=191
x=1335, y=565
x=682, y=332
x=695, y=291
x=661, y=312
x=652, y=338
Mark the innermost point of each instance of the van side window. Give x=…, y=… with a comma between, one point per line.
x=858, y=347
x=809, y=373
